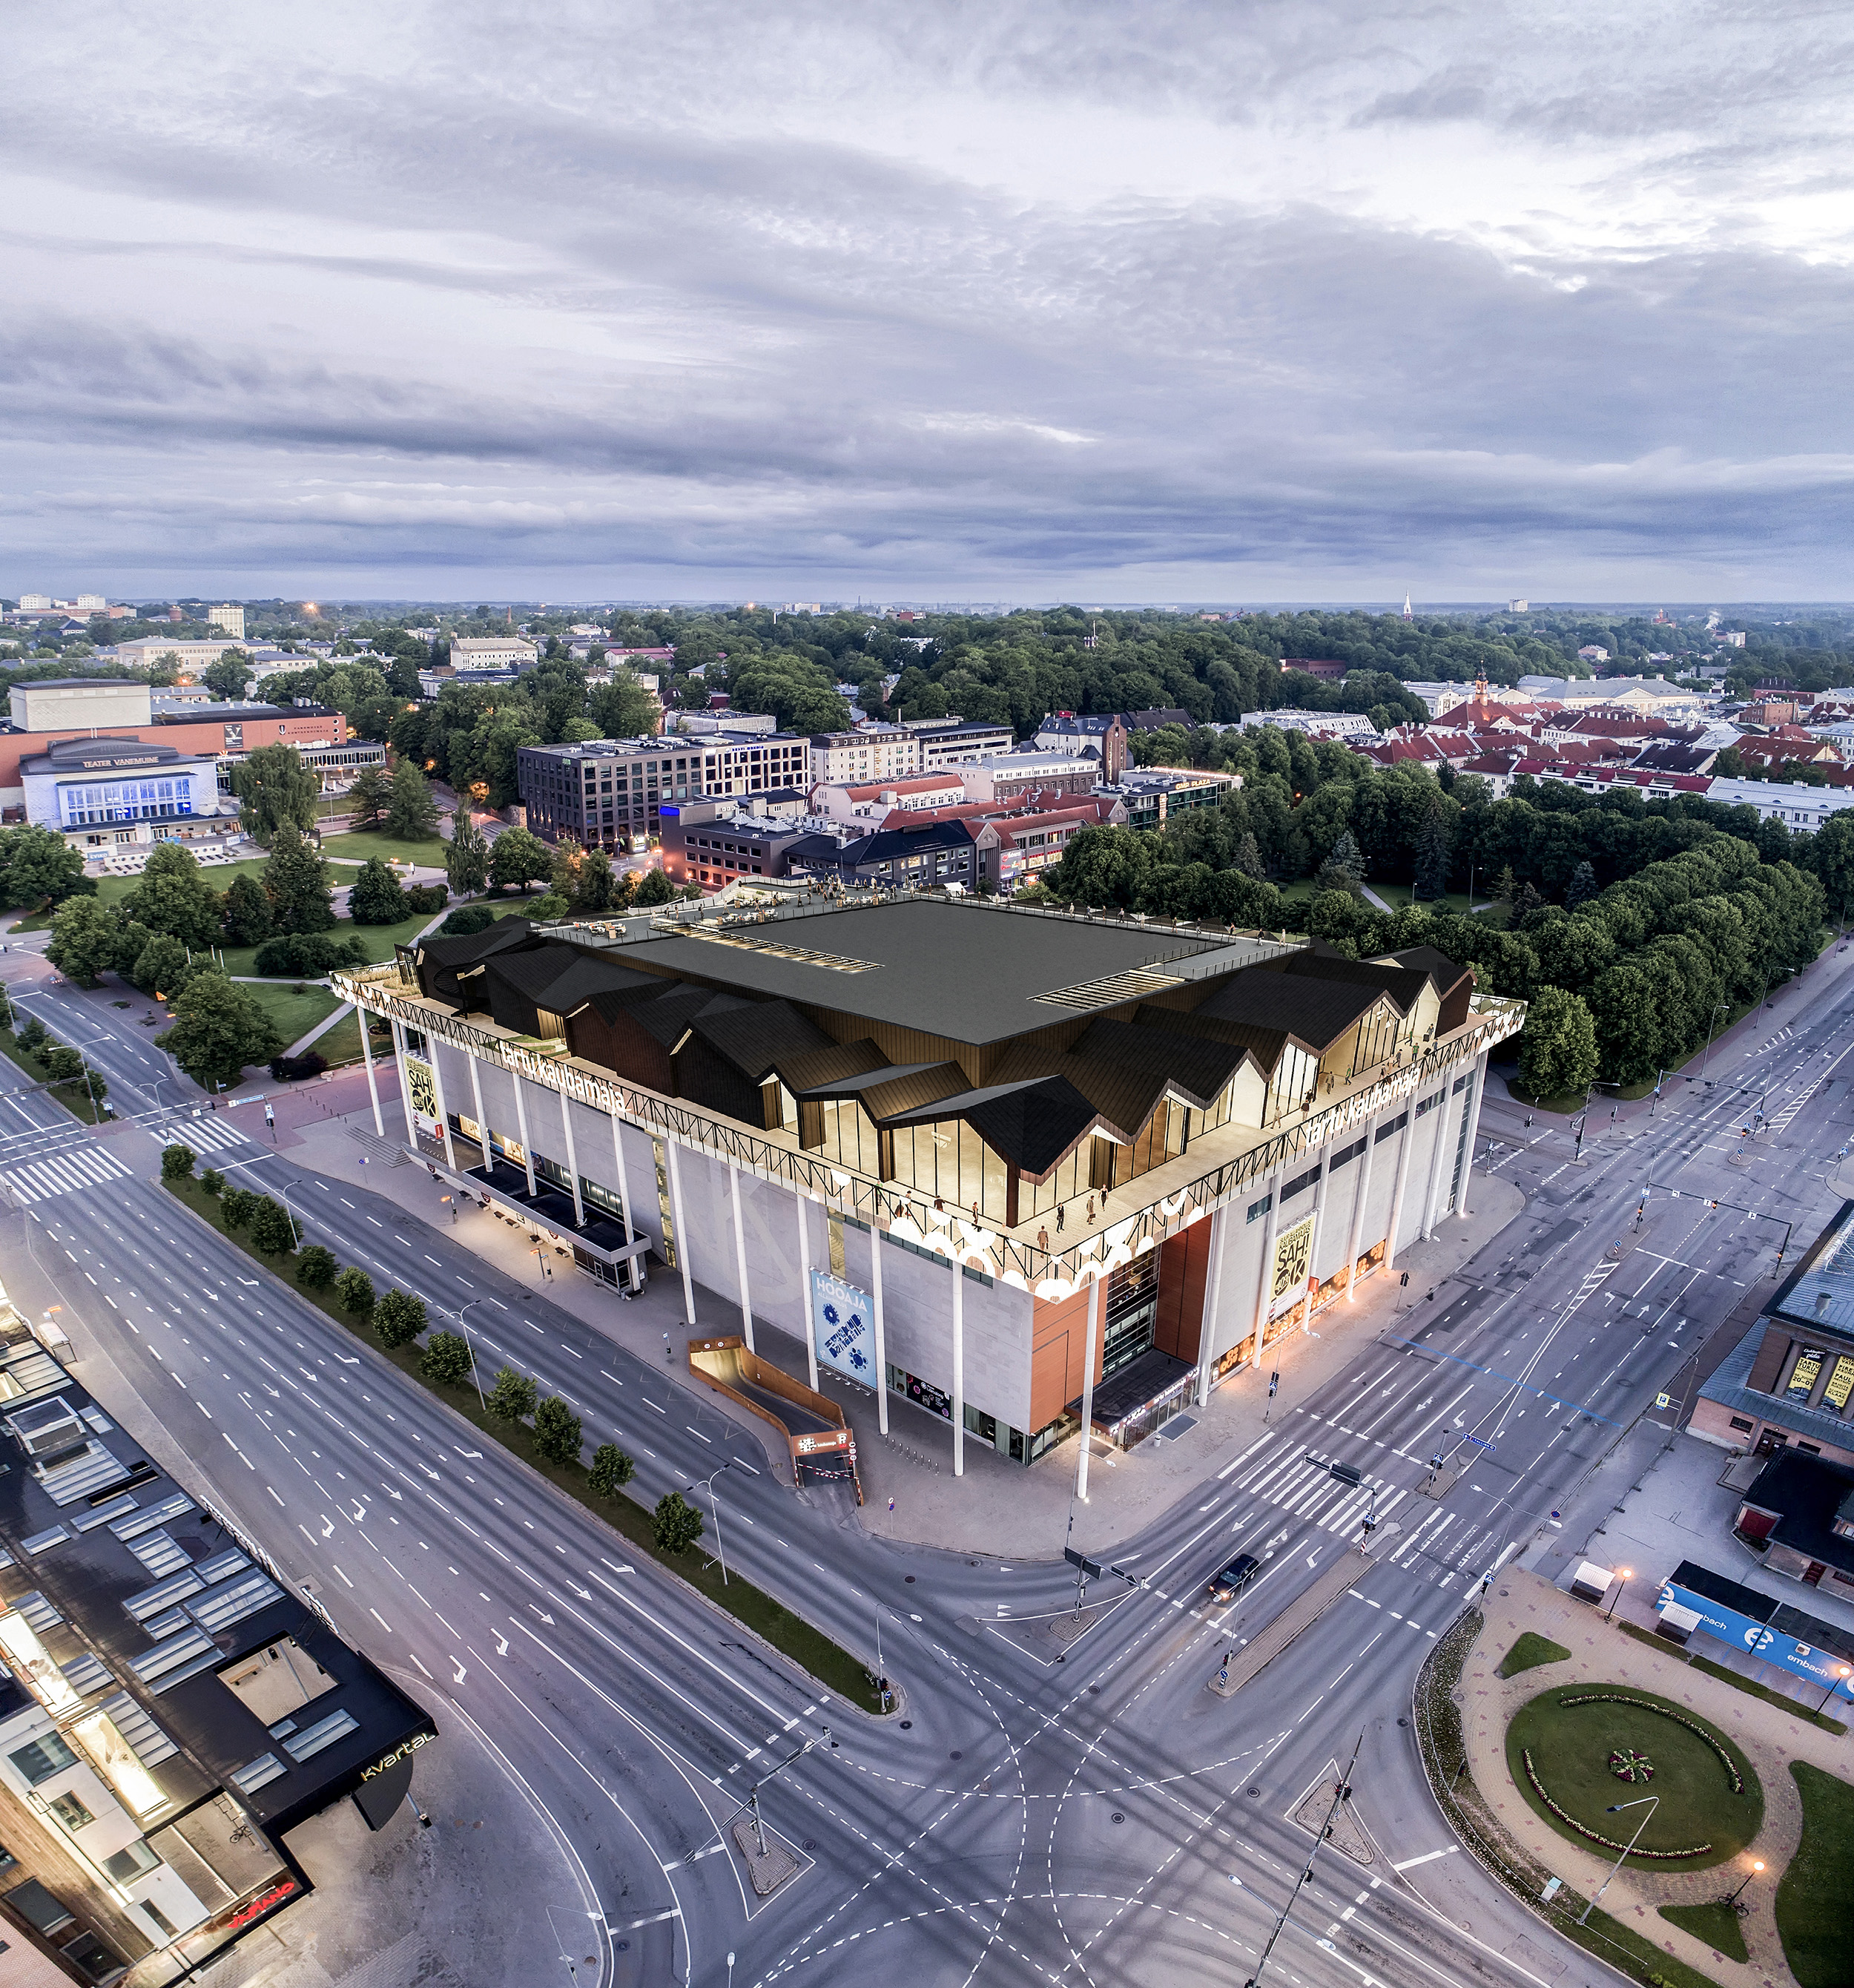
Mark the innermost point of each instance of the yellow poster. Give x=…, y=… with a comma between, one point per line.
x=423, y=1091
x=1293, y=1257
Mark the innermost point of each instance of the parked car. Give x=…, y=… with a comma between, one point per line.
x=1226, y=1586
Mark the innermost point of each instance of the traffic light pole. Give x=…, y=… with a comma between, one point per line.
x=1712, y=1202
x=1342, y=1793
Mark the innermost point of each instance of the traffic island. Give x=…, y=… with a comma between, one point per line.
x=833, y=1667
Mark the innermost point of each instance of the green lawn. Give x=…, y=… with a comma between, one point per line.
x=294, y=1012
x=353, y=848
x=342, y=1044
x=1570, y=1744
x=828, y=1662
x=1529, y=1652
x=240, y=960
x=1813, y=1917
x=1715, y=1923
x=1398, y=895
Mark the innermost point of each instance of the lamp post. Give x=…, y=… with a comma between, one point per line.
x=1617, y=1808
x=1841, y=1678
x=476, y=1372
x=1708, y=1058
x=1733, y=1900
x=1622, y=1581
x=714, y=1506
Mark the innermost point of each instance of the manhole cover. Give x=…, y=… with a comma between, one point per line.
x=909, y=1579
x=1255, y=1791
x=623, y=1946
x=811, y=1843
x=1093, y=1690
x=1403, y=1722
x=1118, y=1817
x=955, y=1755
x=906, y=1725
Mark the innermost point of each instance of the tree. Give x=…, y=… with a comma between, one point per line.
x=466, y=855
x=624, y=708
x=466, y=920
x=399, y=1318
x=596, y=890
x=38, y=868
x=177, y=1162
x=63, y=1065
x=1344, y=868
x=87, y=936
x=557, y=1432
x=653, y=888
x=218, y=1028
x=174, y=898
x=375, y=896
x=31, y=1036
x=275, y=791
x=1434, y=842
x=94, y=1087
x=271, y=1229
x=162, y=966
x=247, y=913
x=1247, y=858
x=237, y=1205
x=411, y=813
x=367, y=798
x=1558, y=1046
x=512, y=1396
x=295, y=881
x=213, y=1180
x=1581, y=887
x=355, y=1290
x=675, y=1524
x=612, y=1470
x=227, y=678
x=446, y=1359
x=518, y=858
x=316, y=1267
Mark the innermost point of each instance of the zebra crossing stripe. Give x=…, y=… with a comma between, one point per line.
x=64, y=1173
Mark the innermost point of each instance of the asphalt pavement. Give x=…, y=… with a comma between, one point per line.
x=1059, y=1797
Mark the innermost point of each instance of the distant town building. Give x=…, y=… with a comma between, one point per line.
x=948, y=742
x=470, y=652
x=1517, y=606
x=1327, y=669
x=1593, y=652
x=613, y=793
x=872, y=752
x=228, y=617
x=1733, y=638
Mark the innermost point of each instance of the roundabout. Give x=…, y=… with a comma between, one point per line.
x=1578, y=1753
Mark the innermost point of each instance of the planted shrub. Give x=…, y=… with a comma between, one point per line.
x=316, y=1267
x=213, y=1180
x=612, y=1470
x=512, y=1397
x=446, y=1358
x=271, y=1229
x=675, y=1524
x=557, y=1432
x=177, y=1162
x=399, y=1318
x=355, y=1290
x=237, y=1205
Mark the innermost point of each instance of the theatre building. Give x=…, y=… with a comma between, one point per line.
x=1018, y=1165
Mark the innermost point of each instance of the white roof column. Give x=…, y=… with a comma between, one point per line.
x=482, y=1123
x=405, y=1087
x=1437, y=1157
x=572, y=1160
x=1319, y=1216
x=624, y=1196
x=1207, y=1332
x=528, y=1145
x=1354, y=1235
x=682, y=1234
x=811, y=1332
x=1406, y=1140
x=1479, y=1081
x=740, y=1265
x=444, y=1110
x=1267, y=1271
x=875, y=1259
x=364, y=1017
x=959, y=1370
x=1088, y=1347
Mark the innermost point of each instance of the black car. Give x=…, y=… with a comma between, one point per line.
x=1226, y=1586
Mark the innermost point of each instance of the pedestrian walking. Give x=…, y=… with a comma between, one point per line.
x=1042, y=1240
x=1060, y=1210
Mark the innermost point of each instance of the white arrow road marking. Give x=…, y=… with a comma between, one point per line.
x=462, y=1673
x=328, y=1526
x=501, y=1646
x=543, y=1613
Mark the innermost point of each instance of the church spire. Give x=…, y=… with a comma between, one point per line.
x=1410, y=614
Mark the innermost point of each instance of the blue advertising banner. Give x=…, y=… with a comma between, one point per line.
x=1760, y=1640
x=842, y=1328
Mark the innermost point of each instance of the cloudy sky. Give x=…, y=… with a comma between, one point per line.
x=1192, y=299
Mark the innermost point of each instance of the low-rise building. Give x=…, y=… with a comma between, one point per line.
x=229, y=617
x=1004, y=777
x=100, y=792
x=193, y=655
x=951, y=741
x=868, y=801
x=715, y=843
x=870, y=752
x=1344, y=724
x=1044, y=1151
x=470, y=653
x=1800, y=806
x=1101, y=737
x=170, y=1708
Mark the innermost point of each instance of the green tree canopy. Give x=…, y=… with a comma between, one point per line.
x=174, y=897
x=38, y=867
x=411, y=813
x=1558, y=1047
x=85, y=939
x=518, y=857
x=466, y=855
x=247, y=912
x=218, y=1030
x=227, y=678
x=275, y=791
x=375, y=896
x=624, y=708
x=295, y=881
x=367, y=798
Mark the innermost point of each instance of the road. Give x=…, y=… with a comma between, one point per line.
x=1047, y=1807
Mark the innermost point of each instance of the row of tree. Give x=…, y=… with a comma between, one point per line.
x=445, y=1359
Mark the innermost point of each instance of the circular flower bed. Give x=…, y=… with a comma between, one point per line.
x=1568, y=1750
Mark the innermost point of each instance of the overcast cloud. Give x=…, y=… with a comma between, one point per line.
x=988, y=302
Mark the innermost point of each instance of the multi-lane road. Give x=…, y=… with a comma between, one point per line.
x=1046, y=1807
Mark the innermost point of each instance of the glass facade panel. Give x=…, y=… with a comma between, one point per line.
x=124, y=800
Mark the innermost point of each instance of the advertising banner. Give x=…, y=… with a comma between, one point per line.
x=1293, y=1255
x=1758, y=1639
x=842, y=1328
x=423, y=1090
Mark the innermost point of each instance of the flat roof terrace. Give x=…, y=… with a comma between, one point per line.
x=969, y=973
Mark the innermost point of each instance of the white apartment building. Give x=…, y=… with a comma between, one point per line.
x=880, y=752
x=229, y=617
x=491, y=652
x=1801, y=808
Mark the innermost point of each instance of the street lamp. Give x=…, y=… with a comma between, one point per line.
x=714, y=1506
x=476, y=1372
x=1841, y=1678
x=1617, y=1808
x=1708, y=1058
x=1733, y=1900
x=1622, y=1581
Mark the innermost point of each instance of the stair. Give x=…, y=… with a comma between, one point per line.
x=384, y=1150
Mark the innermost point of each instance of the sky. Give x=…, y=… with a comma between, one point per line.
x=1225, y=302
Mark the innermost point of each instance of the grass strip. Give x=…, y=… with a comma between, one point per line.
x=1440, y=1740
x=1749, y=1686
x=1714, y=1922
x=74, y=1099
x=1529, y=1652
x=833, y=1666
x=1813, y=1920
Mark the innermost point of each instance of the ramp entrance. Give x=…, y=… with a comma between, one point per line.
x=817, y=1438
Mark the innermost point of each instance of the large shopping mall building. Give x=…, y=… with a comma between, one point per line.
x=965, y=1151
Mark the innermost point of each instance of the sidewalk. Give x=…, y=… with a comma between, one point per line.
x=1601, y=1653
x=997, y=1505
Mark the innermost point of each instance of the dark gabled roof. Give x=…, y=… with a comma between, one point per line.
x=466, y=948
x=532, y=972
x=667, y=1018
x=1031, y=1125
x=885, y=844
x=1197, y=1066
x=815, y=1070
x=857, y=1083
x=1314, y=1013
x=1444, y=972
x=1263, y=1044
x=903, y=1089
x=1404, y=985
x=754, y=1037
x=622, y=989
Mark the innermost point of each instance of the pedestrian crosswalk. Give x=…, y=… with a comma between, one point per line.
x=1439, y=1546
x=203, y=1135
x=68, y=1172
